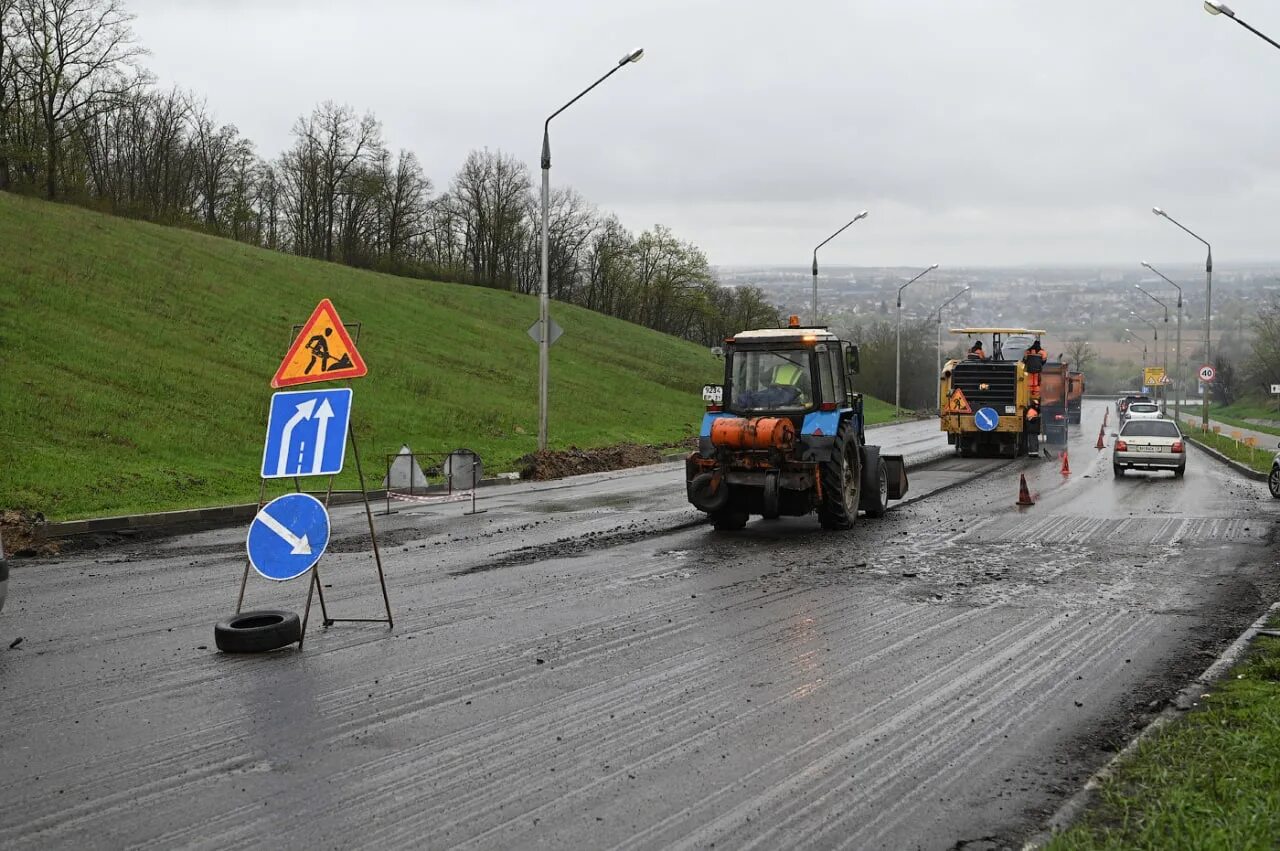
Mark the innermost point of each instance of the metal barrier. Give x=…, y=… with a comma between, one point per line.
x=460, y=472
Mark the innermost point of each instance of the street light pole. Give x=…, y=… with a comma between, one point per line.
x=1135, y=345
x=897, y=346
x=861, y=215
x=1155, y=336
x=1223, y=9
x=1208, y=303
x=938, y=311
x=544, y=297
x=1164, y=387
x=1177, y=348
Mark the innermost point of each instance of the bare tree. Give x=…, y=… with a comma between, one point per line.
x=1080, y=354
x=79, y=60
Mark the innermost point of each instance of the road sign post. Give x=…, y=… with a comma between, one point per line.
x=307, y=435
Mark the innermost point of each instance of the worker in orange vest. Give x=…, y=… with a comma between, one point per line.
x=976, y=353
x=1033, y=359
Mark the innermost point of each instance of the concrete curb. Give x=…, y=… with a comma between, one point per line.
x=199, y=519
x=1243, y=469
x=1186, y=699
x=196, y=519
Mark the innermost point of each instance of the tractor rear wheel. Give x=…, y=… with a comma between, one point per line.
x=841, y=482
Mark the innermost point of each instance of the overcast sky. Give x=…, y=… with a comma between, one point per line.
x=977, y=132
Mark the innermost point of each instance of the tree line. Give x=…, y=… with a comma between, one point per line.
x=82, y=121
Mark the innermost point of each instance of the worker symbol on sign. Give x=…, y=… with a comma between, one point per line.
x=957, y=403
x=324, y=351
x=318, y=345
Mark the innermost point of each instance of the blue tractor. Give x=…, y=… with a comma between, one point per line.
x=784, y=435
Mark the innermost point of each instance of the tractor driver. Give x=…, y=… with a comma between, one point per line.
x=976, y=353
x=791, y=382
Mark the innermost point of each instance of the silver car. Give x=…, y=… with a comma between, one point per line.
x=1149, y=445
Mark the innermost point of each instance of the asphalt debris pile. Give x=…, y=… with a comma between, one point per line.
x=22, y=534
x=556, y=464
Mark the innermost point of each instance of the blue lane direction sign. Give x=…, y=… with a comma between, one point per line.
x=307, y=433
x=288, y=536
x=986, y=419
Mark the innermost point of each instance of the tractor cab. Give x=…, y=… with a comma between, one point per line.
x=788, y=372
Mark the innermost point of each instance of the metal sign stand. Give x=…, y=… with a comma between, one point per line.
x=315, y=586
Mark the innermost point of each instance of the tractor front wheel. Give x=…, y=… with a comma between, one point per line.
x=841, y=482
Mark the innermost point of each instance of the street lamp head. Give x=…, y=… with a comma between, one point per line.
x=934, y=266
x=1214, y=8
x=633, y=56
x=861, y=215
x=1145, y=263
x=1157, y=211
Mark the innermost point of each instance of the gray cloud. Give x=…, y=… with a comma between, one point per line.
x=983, y=131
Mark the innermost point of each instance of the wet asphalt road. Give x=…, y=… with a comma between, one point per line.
x=588, y=665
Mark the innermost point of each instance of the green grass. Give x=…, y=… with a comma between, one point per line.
x=135, y=363
x=1211, y=780
x=1239, y=414
x=1259, y=458
x=875, y=412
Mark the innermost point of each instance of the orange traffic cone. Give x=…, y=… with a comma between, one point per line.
x=1066, y=468
x=1024, y=495
x=1100, y=444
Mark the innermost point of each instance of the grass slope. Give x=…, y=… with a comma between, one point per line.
x=135, y=363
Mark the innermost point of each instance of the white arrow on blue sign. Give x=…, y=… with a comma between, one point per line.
x=986, y=419
x=288, y=536
x=307, y=433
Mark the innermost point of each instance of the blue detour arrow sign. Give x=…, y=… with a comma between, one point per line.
x=986, y=419
x=306, y=433
x=288, y=536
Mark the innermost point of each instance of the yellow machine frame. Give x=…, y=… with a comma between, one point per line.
x=1009, y=422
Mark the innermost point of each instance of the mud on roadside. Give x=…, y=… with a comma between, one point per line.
x=558, y=463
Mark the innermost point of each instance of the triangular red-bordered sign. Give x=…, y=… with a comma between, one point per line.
x=323, y=351
x=957, y=403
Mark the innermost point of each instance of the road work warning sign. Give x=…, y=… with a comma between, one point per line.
x=957, y=403
x=323, y=351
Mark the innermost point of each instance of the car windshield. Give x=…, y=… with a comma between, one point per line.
x=1143, y=408
x=771, y=380
x=1150, y=428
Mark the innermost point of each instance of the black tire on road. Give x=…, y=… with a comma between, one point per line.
x=258, y=632
x=875, y=483
x=1117, y=470
x=729, y=521
x=1273, y=482
x=841, y=482
x=1180, y=472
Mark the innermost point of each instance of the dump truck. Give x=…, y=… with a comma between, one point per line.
x=1075, y=396
x=784, y=434
x=991, y=406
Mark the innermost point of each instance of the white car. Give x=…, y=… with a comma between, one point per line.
x=1154, y=444
x=1142, y=411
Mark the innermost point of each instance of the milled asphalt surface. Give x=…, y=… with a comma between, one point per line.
x=588, y=665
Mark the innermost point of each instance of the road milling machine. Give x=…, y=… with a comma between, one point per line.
x=995, y=404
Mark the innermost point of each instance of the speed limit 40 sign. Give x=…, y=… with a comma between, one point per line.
x=1207, y=373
